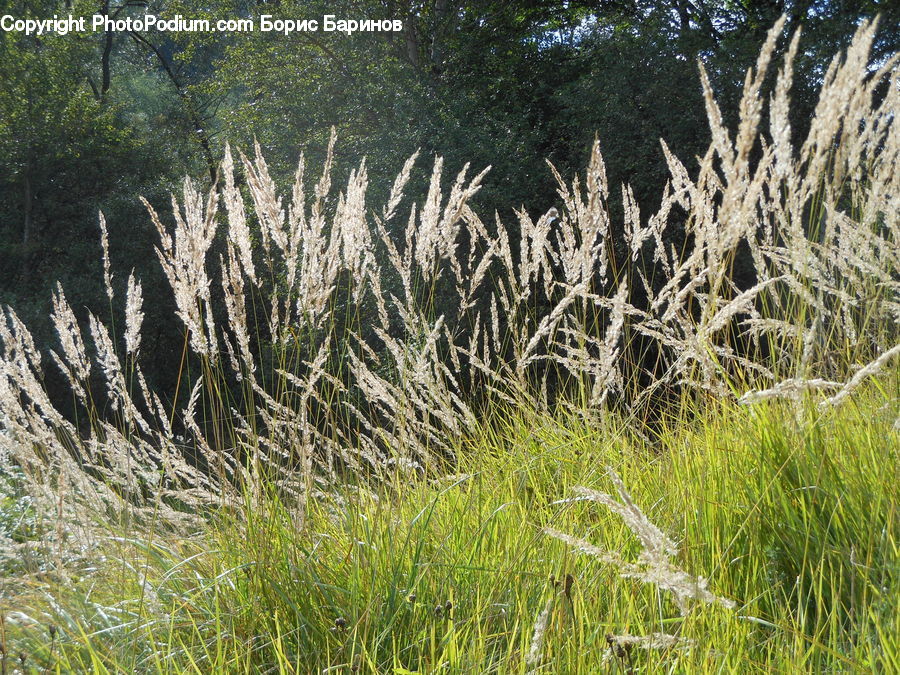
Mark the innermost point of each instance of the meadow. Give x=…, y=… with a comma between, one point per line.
x=412, y=438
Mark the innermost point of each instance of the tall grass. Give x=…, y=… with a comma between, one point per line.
x=338, y=364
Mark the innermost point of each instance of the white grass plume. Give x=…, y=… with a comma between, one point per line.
x=654, y=564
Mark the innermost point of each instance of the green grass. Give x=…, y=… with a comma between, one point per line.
x=790, y=513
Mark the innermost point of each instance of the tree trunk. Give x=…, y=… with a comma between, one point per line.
x=194, y=115
x=104, y=60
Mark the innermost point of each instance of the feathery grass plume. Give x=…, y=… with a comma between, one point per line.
x=104, y=243
x=536, y=648
x=434, y=238
x=751, y=106
x=526, y=352
x=478, y=274
x=829, y=276
x=238, y=230
x=604, y=368
x=654, y=563
x=320, y=257
x=183, y=259
x=350, y=222
x=651, y=641
x=868, y=370
x=73, y=362
x=791, y=388
x=134, y=317
x=398, y=187
x=427, y=236
x=779, y=109
x=582, y=245
x=117, y=389
x=235, y=307
x=267, y=204
x=42, y=443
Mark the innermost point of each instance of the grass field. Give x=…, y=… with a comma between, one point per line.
x=791, y=515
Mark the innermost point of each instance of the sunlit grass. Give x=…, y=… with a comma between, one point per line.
x=789, y=513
